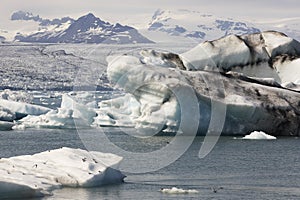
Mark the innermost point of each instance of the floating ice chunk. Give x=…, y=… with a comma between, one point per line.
x=175, y=190
x=71, y=114
x=23, y=108
x=6, y=114
x=259, y=135
x=13, y=110
x=38, y=174
x=6, y=126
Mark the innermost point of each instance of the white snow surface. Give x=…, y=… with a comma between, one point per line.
x=37, y=175
x=259, y=135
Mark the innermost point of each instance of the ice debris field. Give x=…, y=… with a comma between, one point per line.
x=256, y=76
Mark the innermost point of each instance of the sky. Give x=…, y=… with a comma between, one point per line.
x=134, y=10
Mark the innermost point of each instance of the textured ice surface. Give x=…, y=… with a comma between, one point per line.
x=71, y=114
x=250, y=103
x=37, y=175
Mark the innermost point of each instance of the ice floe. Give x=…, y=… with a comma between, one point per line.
x=175, y=190
x=37, y=175
x=71, y=114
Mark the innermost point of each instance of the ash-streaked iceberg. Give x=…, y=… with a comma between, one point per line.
x=236, y=81
x=37, y=175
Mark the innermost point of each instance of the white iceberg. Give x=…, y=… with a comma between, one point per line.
x=259, y=135
x=71, y=114
x=37, y=175
x=22, y=108
x=175, y=190
x=16, y=105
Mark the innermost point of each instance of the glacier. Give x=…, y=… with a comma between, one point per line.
x=38, y=175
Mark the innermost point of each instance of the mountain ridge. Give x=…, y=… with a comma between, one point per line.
x=86, y=29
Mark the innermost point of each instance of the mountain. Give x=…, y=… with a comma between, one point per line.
x=196, y=25
x=86, y=29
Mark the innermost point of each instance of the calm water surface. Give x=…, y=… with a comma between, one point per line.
x=244, y=169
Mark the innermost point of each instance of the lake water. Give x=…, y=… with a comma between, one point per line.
x=244, y=169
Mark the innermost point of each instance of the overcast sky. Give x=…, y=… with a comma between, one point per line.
x=128, y=10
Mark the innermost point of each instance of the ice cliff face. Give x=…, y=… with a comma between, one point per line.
x=252, y=99
x=262, y=55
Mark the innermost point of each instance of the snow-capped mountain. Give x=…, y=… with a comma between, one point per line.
x=196, y=25
x=86, y=29
x=289, y=26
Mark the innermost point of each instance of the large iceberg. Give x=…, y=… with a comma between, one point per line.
x=232, y=85
x=37, y=175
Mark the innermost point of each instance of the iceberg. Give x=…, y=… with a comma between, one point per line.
x=16, y=105
x=23, y=109
x=71, y=114
x=268, y=54
x=175, y=190
x=37, y=175
x=6, y=126
x=259, y=135
x=231, y=85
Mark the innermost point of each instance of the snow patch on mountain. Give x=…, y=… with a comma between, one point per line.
x=196, y=25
